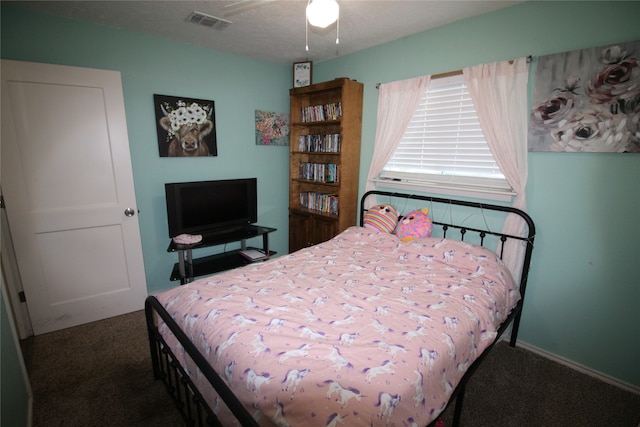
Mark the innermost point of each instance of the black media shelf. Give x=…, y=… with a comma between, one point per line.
x=215, y=263
x=187, y=268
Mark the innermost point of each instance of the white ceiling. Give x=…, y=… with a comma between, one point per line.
x=273, y=30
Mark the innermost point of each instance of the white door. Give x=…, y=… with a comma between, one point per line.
x=68, y=190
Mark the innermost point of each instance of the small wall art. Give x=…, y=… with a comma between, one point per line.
x=272, y=128
x=302, y=72
x=186, y=127
x=587, y=101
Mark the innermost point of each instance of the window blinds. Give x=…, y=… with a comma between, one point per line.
x=444, y=141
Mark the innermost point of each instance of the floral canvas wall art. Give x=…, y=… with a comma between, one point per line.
x=587, y=101
x=272, y=128
x=186, y=126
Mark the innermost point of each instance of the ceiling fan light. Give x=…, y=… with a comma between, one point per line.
x=322, y=13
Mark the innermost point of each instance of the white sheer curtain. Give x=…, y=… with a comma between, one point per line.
x=396, y=103
x=499, y=93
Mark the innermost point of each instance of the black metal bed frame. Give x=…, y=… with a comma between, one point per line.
x=197, y=412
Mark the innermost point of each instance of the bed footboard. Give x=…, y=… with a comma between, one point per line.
x=185, y=394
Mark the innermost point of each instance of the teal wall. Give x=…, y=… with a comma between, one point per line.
x=583, y=294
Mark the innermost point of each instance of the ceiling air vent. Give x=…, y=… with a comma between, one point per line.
x=208, y=20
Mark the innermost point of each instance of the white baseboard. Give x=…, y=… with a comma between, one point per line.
x=577, y=367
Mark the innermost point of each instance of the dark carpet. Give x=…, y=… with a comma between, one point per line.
x=99, y=374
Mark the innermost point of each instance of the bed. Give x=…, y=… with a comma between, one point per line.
x=364, y=329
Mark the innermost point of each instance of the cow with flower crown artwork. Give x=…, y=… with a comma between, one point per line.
x=185, y=127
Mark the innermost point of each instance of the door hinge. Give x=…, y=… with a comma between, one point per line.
x=22, y=297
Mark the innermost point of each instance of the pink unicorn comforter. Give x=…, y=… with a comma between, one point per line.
x=361, y=330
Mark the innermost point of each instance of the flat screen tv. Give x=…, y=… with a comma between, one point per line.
x=210, y=206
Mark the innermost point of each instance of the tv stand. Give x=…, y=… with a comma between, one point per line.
x=187, y=268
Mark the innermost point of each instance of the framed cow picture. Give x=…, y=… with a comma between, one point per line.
x=186, y=126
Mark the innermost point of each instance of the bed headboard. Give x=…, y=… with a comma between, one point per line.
x=455, y=229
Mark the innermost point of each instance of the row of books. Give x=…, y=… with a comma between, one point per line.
x=325, y=203
x=320, y=172
x=318, y=113
x=320, y=143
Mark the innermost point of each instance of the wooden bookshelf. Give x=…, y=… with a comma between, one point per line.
x=326, y=127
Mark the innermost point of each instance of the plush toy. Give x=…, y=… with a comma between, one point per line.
x=414, y=225
x=381, y=217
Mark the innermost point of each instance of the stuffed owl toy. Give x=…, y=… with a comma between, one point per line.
x=414, y=225
x=381, y=217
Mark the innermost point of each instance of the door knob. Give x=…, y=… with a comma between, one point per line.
x=129, y=212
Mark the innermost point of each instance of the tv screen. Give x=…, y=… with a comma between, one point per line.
x=210, y=206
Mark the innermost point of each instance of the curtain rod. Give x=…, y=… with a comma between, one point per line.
x=455, y=72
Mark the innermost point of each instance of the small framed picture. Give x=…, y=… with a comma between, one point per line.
x=302, y=73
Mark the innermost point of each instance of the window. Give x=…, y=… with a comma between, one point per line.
x=443, y=146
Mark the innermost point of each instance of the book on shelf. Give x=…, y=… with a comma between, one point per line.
x=319, y=172
x=329, y=143
x=321, y=202
x=254, y=254
x=318, y=113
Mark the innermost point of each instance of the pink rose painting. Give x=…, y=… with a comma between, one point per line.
x=587, y=101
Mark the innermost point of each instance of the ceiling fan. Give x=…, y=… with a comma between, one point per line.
x=320, y=13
